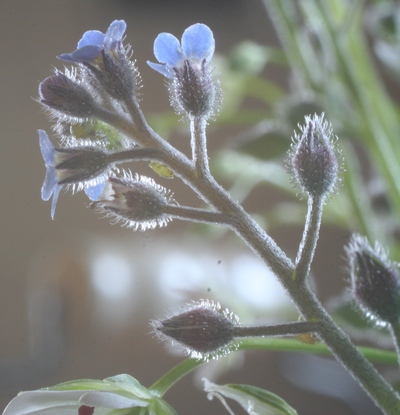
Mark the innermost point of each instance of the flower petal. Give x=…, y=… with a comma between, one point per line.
x=114, y=34
x=49, y=184
x=110, y=400
x=94, y=192
x=198, y=42
x=85, y=54
x=91, y=37
x=46, y=148
x=162, y=69
x=167, y=49
x=56, y=193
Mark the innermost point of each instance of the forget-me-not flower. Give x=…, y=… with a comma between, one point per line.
x=84, y=167
x=93, y=42
x=193, y=91
x=197, y=46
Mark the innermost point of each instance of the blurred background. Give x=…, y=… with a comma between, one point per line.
x=77, y=294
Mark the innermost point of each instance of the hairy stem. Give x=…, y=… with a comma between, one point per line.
x=288, y=329
x=309, y=240
x=266, y=248
x=199, y=145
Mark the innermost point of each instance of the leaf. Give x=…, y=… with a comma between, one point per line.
x=160, y=407
x=255, y=401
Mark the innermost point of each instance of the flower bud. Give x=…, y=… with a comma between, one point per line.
x=202, y=330
x=79, y=164
x=61, y=93
x=115, y=74
x=314, y=159
x=375, y=281
x=76, y=167
x=193, y=91
x=138, y=202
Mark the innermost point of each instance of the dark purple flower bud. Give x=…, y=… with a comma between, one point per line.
x=375, y=281
x=116, y=74
x=79, y=167
x=138, y=203
x=61, y=93
x=202, y=330
x=314, y=159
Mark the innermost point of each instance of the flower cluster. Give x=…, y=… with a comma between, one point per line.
x=97, y=101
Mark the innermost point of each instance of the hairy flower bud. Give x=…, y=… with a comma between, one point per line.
x=375, y=281
x=115, y=74
x=193, y=90
x=138, y=202
x=202, y=330
x=76, y=167
x=62, y=93
x=314, y=159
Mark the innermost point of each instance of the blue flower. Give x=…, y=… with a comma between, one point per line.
x=197, y=46
x=93, y=42
x=50, y=185
x=84, y=167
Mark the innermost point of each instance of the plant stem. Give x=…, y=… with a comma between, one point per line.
x=288, y=329
x=197, y=215
x=309, y=240
x=395, y=331
x=199, y=145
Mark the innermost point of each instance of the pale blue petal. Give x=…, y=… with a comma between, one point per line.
x=56, y=193
x=49, y=184
x=114, y=33
x=85, y=54
x=162, y=69
x=198, y=42
x=94, y=192
x=91, y=37
x=167, y=49
x=46, y=148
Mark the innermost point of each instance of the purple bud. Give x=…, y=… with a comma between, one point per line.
x=79, y=164
x=202, y=330
x=115, y=74
x=193, y=91
x=138, y=202
x=314, y=159
x=63, y=94
x=375, y=281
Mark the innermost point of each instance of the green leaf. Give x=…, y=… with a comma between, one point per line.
x=112, y=384
x=160, y=407
x=255, y=401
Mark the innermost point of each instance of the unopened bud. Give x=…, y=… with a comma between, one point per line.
x=314, y=159
x=193, y=90
x=116, y=74
x=375, y=281
x=138, y=202
x=202, y=330
x=61, y=93
x=79, y=164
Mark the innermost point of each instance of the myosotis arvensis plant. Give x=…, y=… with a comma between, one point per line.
x=95, y=107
